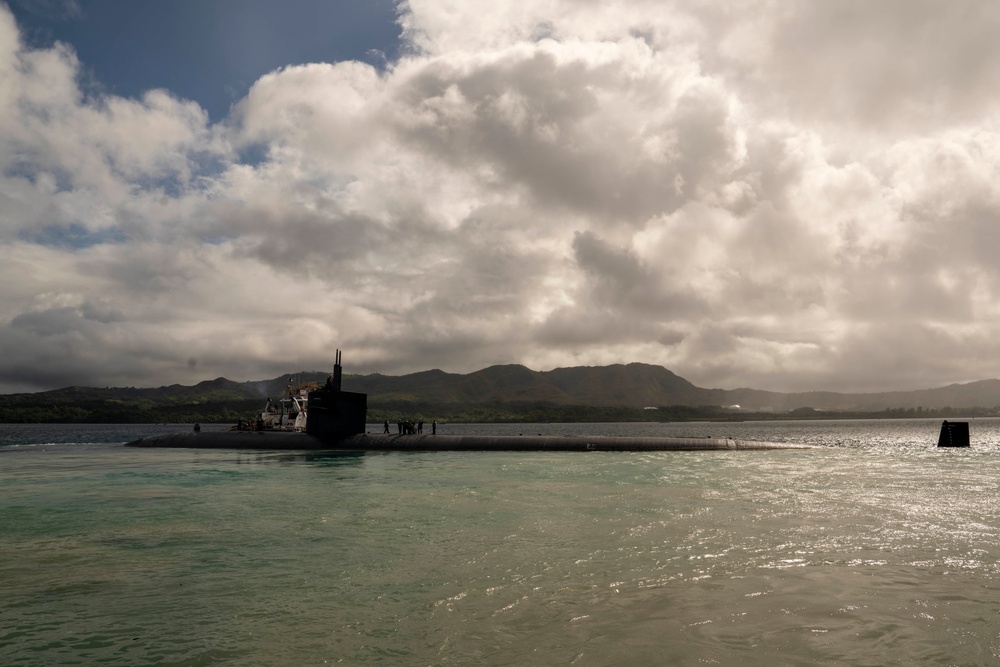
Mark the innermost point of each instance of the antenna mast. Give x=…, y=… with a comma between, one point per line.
x=338, y=373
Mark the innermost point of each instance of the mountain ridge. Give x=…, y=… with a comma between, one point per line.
x=633, y=385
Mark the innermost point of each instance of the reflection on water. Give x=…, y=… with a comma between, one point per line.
x=332, y=458
x=876, y=549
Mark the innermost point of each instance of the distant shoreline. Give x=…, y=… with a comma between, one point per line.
x=956, y=413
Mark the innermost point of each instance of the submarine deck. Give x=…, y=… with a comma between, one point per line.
x=277, y=440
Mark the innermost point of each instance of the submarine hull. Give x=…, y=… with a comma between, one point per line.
x=279, y=440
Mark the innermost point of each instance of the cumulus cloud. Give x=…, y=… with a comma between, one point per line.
x=791, y=196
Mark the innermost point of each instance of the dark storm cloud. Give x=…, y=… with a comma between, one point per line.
x=617, y=280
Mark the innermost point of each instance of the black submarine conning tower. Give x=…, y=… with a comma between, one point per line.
x=334, y=413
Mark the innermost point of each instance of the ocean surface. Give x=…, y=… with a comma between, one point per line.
x=875, y=548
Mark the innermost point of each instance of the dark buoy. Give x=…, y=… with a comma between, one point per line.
x=954, y=434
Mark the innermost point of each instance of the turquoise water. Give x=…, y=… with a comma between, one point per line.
x=875, y=549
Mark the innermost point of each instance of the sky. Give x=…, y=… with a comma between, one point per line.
x=788, y=195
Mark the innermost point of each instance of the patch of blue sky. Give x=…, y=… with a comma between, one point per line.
x=254, y=154
x=201, y=170
x=206, y=164
x=73, y=236
x=171, y=185
x=210, y=52
x=59, y=180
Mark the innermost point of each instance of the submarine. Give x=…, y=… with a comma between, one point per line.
x=337, y=421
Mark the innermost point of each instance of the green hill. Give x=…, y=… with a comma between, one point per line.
x=506, y=392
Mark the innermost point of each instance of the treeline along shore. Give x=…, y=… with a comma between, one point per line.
x=498, y=394
x=220, y=412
